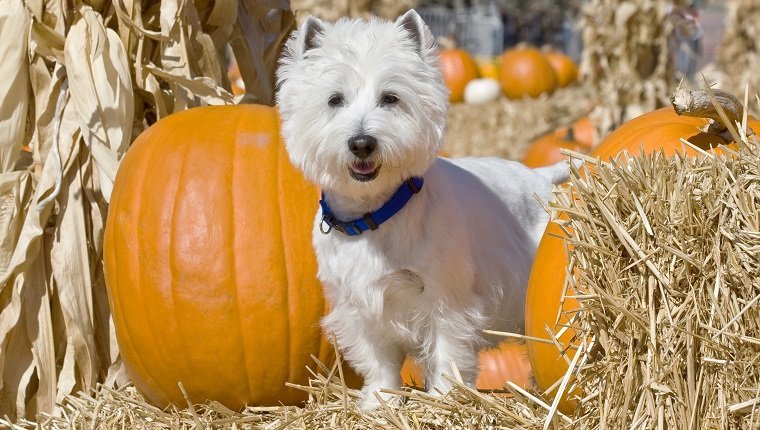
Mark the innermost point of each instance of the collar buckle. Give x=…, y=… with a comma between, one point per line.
x=347, y=228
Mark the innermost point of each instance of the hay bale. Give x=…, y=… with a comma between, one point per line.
x=505, y=128
x=331, y=405
x=668, y=277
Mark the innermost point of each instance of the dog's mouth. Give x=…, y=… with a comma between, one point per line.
x=364, y=170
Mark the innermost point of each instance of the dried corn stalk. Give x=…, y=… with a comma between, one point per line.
x=79, y=83
x=14, y=85
x=331, y=10
x=739, y=51
x=627, y=56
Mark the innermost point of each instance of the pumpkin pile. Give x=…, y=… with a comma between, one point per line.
x=519, y=72
x=529, y=72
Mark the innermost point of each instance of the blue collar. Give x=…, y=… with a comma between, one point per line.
x=371, y=220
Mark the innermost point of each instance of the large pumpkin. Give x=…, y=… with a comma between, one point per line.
x=458, y=69
x=507, y=362
x=209, y=265
x=662, y=129
x=526, y=72
x=658, y=130
x=564, y=67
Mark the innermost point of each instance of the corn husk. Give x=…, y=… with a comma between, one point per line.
x=79, y=83
x=14, y=87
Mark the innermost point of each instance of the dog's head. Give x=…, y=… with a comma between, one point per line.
x=363, y=103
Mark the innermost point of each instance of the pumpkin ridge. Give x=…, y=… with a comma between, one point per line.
x=280, y=204
x=234, y=270
x=109, y=253
x=173, y=283
x=155, y=149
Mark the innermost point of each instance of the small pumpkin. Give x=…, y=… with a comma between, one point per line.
x=546, y=150
x=583, y=131
x=488, y=67
x=564, y=67
x=654, y=131
x=481, y=90
x=209, y=267
x=507, y=362
x=526, y=72
x=458, y=69
x=236, y=80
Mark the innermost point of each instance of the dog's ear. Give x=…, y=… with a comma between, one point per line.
x=415, y=27
x=311, y=33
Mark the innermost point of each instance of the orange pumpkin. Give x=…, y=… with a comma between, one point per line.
x=458, y=69
x=209, y=266
x=583, y=130
x=236, y=81
x=488, y=67
x=658, y=130
x=542, y=309
x=526, y=72
x=545, y=150
x=564, y=67
x=507, y=362
x=662, y=129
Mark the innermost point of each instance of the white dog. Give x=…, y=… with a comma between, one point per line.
x=417, y=254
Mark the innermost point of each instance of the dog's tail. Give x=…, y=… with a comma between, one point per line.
x=558, y=172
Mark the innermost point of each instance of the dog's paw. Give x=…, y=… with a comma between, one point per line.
x=438, y=387
x=371, y=402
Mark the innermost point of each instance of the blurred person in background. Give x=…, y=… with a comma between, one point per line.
x=687, y=37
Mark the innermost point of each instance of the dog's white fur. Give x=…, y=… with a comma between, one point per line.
x=457, y=257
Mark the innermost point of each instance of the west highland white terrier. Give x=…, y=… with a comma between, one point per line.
x=417, y=254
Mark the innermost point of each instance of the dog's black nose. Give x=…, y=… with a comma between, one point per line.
x=362, y=145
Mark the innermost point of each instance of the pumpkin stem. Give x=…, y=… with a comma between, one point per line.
x=570, y=135
x=699, y=103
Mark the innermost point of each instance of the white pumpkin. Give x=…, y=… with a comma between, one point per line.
x=482, y=91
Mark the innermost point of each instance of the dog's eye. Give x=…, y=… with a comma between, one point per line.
x=390, y=99
x=336, y=100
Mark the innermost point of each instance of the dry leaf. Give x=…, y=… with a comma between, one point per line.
x=14, y=81
x=101, y=87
